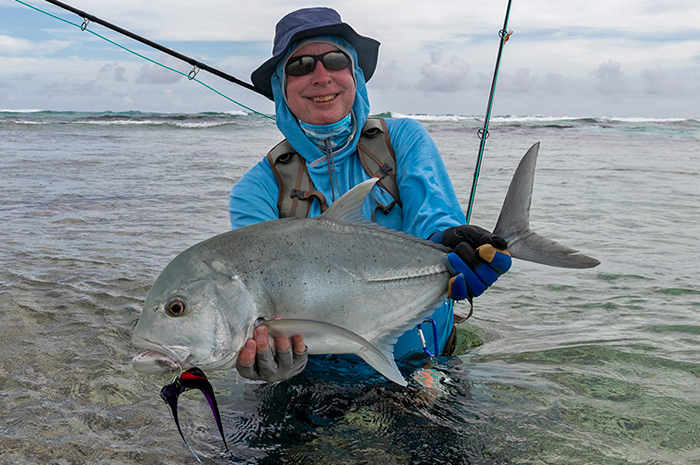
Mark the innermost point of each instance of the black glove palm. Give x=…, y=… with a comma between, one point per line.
x=478, y=260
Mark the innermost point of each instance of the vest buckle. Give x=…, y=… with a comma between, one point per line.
x=299, y=194
x=384, y=170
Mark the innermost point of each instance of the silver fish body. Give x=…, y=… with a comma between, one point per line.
x=346, y=284
x=333, y=277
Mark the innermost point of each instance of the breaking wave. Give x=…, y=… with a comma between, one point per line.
x=215, y=119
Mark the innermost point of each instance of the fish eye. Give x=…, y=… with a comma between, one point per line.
x=176, y=307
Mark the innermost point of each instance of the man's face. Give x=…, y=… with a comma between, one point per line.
x=322, y=96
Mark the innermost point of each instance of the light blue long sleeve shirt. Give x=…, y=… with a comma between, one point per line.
x=429, y=203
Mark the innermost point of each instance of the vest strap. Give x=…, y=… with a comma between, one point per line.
x=378, y=158
x=294, y=182
x=296, y=189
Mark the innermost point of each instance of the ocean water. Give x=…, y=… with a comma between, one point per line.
x=598, y=366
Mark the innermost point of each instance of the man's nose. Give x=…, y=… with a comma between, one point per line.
x=320, y=74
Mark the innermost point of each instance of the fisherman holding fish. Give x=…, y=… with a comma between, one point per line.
x=317, y=77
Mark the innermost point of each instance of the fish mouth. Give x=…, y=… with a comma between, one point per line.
x=159, y=358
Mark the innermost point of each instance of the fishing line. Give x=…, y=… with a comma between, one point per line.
x=483, y=133
x=197, y=66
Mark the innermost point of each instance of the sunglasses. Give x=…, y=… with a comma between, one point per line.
x=305, y=64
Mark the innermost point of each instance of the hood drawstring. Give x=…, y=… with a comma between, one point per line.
x=331, y=139
x=332, y=173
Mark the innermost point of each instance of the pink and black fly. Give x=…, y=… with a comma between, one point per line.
x=193, y=378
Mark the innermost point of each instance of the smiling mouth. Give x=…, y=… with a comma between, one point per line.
x=324, y=98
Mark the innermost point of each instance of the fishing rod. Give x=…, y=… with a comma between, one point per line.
x=197, y=65
x=484, y=132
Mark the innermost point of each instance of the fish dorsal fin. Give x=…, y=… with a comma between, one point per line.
x=348, y=209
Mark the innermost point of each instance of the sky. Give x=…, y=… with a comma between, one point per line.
x=617, y=58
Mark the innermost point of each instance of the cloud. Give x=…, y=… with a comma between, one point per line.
x=389, y=76
x=13, y=45
x=554, y=83
x=657, y=81
x=119, y=72
x=636, y=51
x=442, y=77
x=522, y=81
x=111, y=71
x=154, y=74
x=610, y=79
x=67, y=90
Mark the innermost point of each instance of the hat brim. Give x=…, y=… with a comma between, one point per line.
x=367, y=54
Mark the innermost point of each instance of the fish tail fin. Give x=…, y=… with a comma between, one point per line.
x=513, y=223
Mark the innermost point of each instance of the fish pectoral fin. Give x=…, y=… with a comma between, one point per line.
x=327, y=338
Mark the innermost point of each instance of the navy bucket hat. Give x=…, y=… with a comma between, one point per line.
x=312, y=22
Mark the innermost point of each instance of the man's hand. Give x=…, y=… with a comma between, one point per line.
x=256, y=359
x=479, y=258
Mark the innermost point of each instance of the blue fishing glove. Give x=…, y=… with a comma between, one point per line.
x=479, y=258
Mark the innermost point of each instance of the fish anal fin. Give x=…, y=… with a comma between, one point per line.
x=327, y=338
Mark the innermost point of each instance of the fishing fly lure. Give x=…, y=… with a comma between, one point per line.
x=193, y=378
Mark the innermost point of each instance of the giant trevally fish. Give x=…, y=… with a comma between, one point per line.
x=345, y=283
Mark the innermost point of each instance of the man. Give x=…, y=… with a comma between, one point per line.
x=316, y=78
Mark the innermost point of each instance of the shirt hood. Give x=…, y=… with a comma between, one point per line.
x=288, y=123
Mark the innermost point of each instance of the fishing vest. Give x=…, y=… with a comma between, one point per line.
x=296, y=189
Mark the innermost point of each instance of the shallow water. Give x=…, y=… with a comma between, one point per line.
x=578, y=366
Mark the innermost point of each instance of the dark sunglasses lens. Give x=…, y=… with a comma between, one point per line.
x=335, y=61
x=301, y=66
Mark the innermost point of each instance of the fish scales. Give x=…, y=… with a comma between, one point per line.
x=331, y=271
